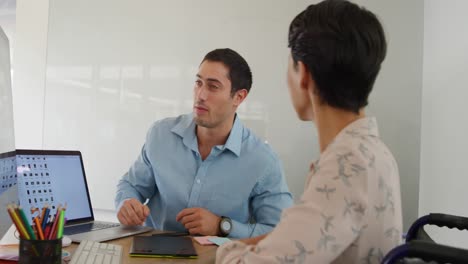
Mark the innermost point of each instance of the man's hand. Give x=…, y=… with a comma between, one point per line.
x=132, y=212
x=199, y=221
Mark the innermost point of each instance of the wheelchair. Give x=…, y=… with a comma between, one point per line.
x=420, y=248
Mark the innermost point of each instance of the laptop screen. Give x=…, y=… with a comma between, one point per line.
x=8, y=188
x=49, y=177
x=7, y=172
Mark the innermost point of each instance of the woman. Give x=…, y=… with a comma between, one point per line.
x=350, y=211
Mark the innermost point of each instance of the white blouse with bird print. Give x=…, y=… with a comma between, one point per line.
x=350, y=211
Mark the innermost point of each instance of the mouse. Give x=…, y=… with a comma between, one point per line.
x=66, y=241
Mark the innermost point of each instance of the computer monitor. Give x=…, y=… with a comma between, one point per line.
x=8, y=180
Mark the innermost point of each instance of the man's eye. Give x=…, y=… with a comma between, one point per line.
x=213, y=87
x=198, y=82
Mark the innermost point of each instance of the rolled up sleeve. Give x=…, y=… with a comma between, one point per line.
x=269, y=197
x=138, y=182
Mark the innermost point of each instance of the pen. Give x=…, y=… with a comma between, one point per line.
x=146, y=202
x=47, y=231
x=42, y=214
x=45, y=218
x=54, y=225
x=39, y=228
x=28, y=227
x=60, y=224
x=16, y=220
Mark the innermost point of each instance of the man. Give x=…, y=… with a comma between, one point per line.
x=206, y=173
x=350, y=211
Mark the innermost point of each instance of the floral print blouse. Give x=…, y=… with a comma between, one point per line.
x=350, y=211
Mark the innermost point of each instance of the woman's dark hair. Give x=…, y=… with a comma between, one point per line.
x=343, y=46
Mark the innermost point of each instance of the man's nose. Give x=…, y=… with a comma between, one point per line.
x=202, y=93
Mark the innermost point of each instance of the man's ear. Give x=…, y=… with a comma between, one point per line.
x=240, y=96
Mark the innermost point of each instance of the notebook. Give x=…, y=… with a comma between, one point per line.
x=57, y=177
x=162, y=247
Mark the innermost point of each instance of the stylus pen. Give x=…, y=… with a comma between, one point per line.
x=172, y=234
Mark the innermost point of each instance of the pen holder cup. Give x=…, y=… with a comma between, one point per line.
x=40, y=251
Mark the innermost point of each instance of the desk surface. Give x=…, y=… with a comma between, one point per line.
x=206, y=254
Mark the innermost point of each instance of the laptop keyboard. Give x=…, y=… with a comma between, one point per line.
x=97, y=253
x=71, y=230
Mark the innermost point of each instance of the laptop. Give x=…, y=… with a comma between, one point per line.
x=57, y=177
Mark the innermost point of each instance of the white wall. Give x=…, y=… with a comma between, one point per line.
x=444, y=140
x=32, y=17
x=396, y=99
x=7, y=23
x=111, y=72
x=8, y=190
x=113, y=67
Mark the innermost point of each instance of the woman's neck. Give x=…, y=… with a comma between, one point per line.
x=330, y=121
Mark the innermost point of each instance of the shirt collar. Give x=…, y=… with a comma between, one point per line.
x=234, y=141
x=361, y=128
x=185, y=128
x=366, y=126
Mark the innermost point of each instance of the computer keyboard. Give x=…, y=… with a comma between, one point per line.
x=103, y=225
x=93, y=252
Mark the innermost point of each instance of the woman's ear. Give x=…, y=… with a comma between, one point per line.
x=305, y=78
x=307, y=83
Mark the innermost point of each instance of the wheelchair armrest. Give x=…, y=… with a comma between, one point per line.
x=428, y=252
x=440, y=220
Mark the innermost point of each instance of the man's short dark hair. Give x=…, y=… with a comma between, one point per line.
x=239, y=71
x=343, y=46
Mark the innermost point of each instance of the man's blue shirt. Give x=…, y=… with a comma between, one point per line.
x=242, y=179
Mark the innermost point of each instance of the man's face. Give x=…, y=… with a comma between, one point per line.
x=213, y=103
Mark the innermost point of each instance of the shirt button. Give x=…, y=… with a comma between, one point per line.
x=198, y=180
